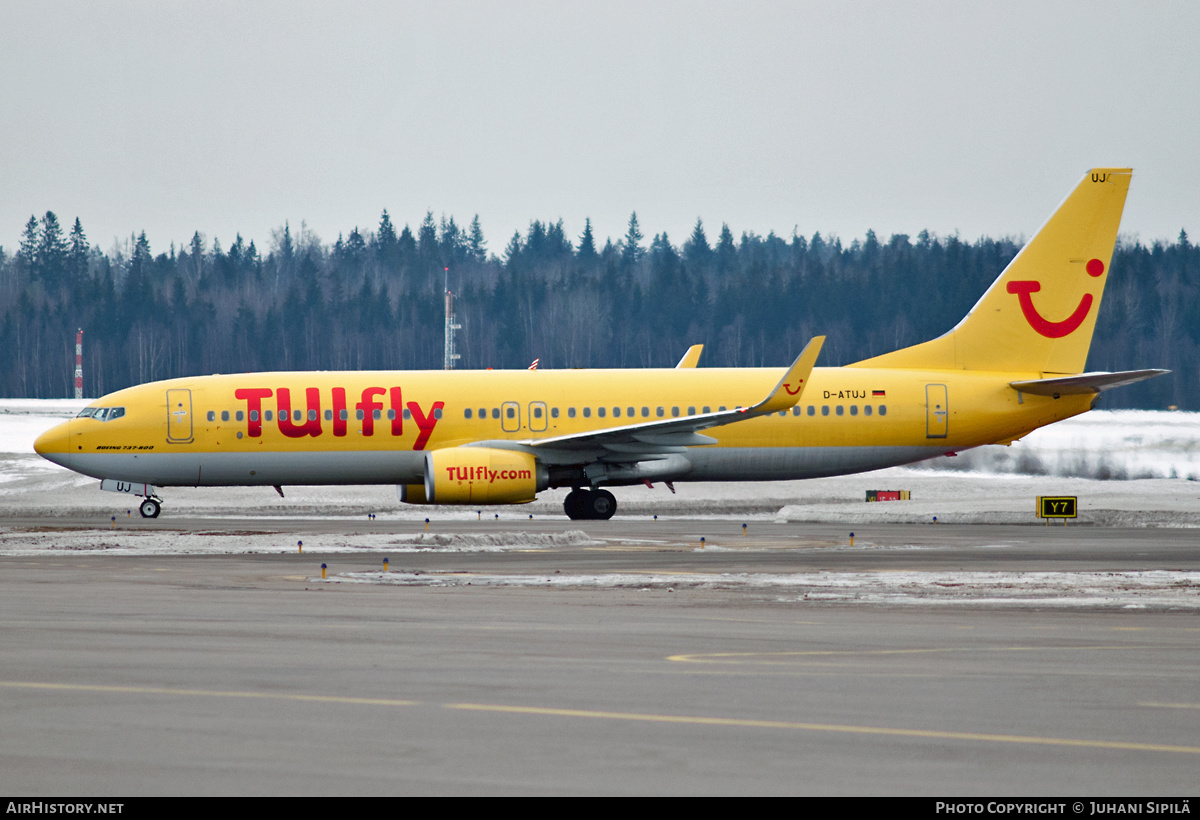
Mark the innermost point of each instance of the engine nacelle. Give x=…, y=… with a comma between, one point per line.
x=482, y=475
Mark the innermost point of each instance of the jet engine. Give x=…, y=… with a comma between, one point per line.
x=477, y=475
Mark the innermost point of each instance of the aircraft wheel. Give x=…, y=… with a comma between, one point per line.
x=575, y=505
x=602, y=505
x=150, y=508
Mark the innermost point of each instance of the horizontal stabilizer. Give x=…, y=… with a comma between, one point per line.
x=1084, y=382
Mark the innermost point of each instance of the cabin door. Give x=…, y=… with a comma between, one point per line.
x=179, y=416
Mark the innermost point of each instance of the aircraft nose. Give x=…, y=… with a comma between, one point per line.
x=55, y=444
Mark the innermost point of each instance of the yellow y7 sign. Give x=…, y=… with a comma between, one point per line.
x=1057, y=506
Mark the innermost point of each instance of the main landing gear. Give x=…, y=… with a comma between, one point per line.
x=150, y=508
x=596, y=505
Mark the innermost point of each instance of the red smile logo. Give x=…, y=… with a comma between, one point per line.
x=1053, y=330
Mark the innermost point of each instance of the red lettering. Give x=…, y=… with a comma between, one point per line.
x=253, y=397
x=367, y=407
x=424, y=423
x=339, y=411
x=312, y=423
x=397, y=412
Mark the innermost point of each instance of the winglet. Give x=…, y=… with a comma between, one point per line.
x=790, y=388
x=691, y=358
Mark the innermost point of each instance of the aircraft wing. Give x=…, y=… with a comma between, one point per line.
x=1084, y=382
x=665, y=436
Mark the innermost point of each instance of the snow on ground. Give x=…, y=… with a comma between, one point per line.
x=1161, y=589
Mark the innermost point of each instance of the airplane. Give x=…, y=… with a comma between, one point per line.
x=1013, y=364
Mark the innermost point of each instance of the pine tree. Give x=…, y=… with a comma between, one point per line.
x=77, y=263
x=631, y=249
x=30, y=238
x=587, y=245
x=476, y=245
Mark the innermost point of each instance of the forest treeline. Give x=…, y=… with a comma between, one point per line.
x=374, y=300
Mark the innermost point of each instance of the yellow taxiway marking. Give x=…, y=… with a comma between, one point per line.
x=211, y=693
x=777, y=657
x=829, y=727
x=696, y=720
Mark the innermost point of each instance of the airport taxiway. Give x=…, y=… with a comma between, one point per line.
x=158, y=673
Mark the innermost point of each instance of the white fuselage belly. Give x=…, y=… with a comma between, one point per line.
x=406, y=467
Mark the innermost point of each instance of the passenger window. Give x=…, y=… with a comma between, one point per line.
x=840, y=410
x=268, y=415
x=437, y=413
x=812, y=411
x=537, y=412
x=328, y=415
x=645, y=412
x=796, y=410
x=211, y=415
x=587, y=412
x=391, y=414
x=629, y=412
x=706, y=410
x=553, y=412
x=675, y=412
x=378, y=414
x=358, y=414
x=883, y=409
x=343, y=414
x=854, y=409
x=495, y=413
x=600, y=412
x=867, y=410
x=824, y=409
x=467, y=413
x=691, y=411
x=570, y=412
x=510, y=412
x=658, y=411
x=224, y=415
x=297, y=415
x=616, y=412
x=253, y=415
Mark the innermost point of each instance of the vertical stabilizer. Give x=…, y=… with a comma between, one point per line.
x=1040, y=314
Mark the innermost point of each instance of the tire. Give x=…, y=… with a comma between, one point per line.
x=602, y=505
x=575, y=505
x=150, y=508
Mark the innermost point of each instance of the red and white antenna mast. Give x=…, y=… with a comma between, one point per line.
x=79, y=363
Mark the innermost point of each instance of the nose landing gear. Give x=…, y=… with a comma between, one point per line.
x=150, y=508
x=594, y=505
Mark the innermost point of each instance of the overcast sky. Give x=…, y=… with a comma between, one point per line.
x=770, y=116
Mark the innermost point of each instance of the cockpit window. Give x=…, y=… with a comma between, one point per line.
x=101, y=413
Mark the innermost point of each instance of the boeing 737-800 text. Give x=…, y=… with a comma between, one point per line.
x=1013, y=364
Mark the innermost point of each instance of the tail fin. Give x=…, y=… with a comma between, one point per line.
x=1040, y=314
